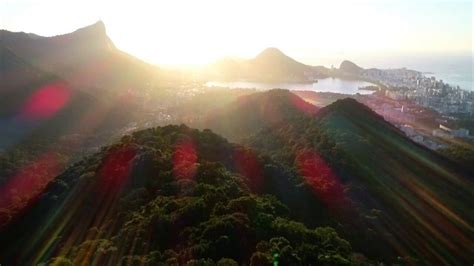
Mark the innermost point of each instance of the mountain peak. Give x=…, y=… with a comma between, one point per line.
x=94, y=35
x=350, y=67
x=347, y=106
x=271, y=52
x=97, y=29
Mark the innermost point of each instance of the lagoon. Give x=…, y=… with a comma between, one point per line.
x=334, y=85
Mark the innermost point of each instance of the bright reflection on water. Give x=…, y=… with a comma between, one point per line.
x=323, y=85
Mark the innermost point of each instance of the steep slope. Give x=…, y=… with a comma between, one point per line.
x=167, y=195
x=271, y=65
x=410, y=201
x=342, y=166
x=86, y=58
x=40, y=106
x=16, y=72
x=350, y=68
x=393, y=197
x=74, y=86
x=428, y=197
x=18, y=79
x=67, y=84
x=31, y=99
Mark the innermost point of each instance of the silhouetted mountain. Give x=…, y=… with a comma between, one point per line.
x=271, y=65
x=68, y=84
x=86, y=58
x=350, y=67
x=40, y=107
x=16, y=73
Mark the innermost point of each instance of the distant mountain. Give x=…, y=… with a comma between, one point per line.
x=86, y=58
x=271, y=65
x=94, y=78
x=65, y=94
x=350, y=67
x=16, y=72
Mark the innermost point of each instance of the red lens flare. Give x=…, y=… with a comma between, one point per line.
x=304, y=106
x=321, y=178
x=184, y=160
x=28, y=183
x=247, y=165
x=114, y=173
x=46, y=101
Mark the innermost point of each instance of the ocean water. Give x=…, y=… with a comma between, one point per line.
x=323, y=85
x=454, y=70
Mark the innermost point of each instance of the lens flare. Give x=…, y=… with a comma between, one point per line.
x=114, y=173
x=246, y=163
x=28, y=183
x=184, y=160
x=46, y=101
x=321, y=178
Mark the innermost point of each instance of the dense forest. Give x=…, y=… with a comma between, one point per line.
x=172, y=195
x=300, y=188
x=108, y=160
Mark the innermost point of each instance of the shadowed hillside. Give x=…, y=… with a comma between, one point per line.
x=400, y=189
x=354, y=159
x=168, y=195
x=86, y=58
x=178, y=194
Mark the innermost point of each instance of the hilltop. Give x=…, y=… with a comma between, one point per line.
x=350, y=67
x=249, y=114
x=169, y=195
x=386, y=176
x=270, y=65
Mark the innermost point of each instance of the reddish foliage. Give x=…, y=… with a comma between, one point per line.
x=247, y=165
x=321, y=178
x=303, y=105
x=29, y=182
x=115, y=170
x=184, y=160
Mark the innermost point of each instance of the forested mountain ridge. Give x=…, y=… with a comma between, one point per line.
x=176, y=194
x=386, y=176
x=169, y=195
x=352, y=158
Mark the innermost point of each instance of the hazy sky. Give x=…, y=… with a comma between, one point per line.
x=315, y=32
